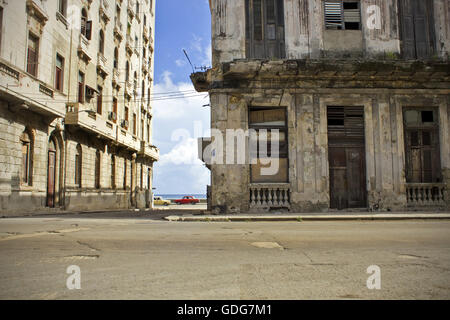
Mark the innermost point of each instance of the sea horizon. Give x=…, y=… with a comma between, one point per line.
x=180, y=195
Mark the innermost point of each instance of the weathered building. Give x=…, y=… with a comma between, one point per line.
x=75, y=112
x=358, y=92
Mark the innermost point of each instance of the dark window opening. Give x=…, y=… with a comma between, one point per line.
x=342, y=15
x=427, y=116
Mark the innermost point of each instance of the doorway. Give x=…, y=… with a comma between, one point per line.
x=51, y=174
x=346, y=152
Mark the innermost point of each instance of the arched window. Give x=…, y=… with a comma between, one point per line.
x=113, y=171
x=78, y=165
x=127, y=71
x=97, y=169
x=116, y=58
x=86, y=26
x=62, y=7
x=26, y=172
x=101, y=42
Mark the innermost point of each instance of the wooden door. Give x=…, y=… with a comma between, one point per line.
x=347, y=177
x=346, y=152
x=417, y=28
x=51, y=179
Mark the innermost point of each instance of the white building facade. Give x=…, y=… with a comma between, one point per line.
x=75, y=113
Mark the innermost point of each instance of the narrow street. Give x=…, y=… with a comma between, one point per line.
x=145, y=257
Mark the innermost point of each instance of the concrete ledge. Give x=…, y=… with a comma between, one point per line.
x=299, y=218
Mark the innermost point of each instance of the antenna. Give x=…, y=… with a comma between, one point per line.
x=202, y=68
x=185, y=53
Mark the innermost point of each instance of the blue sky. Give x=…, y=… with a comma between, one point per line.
x=180, y=24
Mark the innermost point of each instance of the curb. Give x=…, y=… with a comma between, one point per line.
x=300, y=218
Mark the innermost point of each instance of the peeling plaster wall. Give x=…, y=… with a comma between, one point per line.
x=306, y=37
x=308, y=146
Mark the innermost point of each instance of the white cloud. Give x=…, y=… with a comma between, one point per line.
x=179, y=99
x=184, y=152
x=180, y=63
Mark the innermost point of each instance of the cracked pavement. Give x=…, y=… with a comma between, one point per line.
x=143, y=257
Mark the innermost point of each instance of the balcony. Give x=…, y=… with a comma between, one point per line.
x=269, y=195
x=149, y=151
x=145, y=35
x=101, y=65
x=129, y=45
x=425, y=194
x=115, y=78
x=88, y=120
x=130, y=9
x=118, y=30
x=129, y=88
x=145, y=67
x=103, y=11
x=83, y=50
x=18, y=86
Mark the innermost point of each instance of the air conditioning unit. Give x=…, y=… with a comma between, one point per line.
x=124, y=123
x=112, y=116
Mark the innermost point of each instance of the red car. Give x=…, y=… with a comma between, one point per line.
x=187, y=200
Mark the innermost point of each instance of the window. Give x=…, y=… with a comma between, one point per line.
x=59, y=73
x=142, y=128
x=99, y=100
x=33, y=54
x=125, y=163
x=101, y=42
x=143, y=90
x=422, y=146
x=97, y=169
x=148, y=95
x=137, y=7
x=127, y=71
x=342, y=15
x=134, y=123
x=27, y=151
x=86, y=26
x=145, y=20
x=78, y=165
x=113, y=172
x=148, y=132
x=116, y=58
x=264, y=29
x=142, y=176
x=262, y=119
x=62, y=7
x=81, y=87
x=115, y=109
x=126, y=118
x=1, y=26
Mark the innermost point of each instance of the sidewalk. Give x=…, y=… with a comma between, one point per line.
x=311, y=217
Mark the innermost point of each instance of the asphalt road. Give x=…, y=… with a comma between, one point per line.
x=144, y=258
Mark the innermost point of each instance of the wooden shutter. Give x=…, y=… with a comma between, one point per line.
x=33, y=52
x=89, y=30
x=333, y=15
x=417, y=27
x=265, y=29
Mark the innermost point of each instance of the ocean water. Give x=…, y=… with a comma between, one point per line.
x=179, y=196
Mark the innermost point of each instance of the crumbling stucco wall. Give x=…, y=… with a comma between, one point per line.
x=306, y=36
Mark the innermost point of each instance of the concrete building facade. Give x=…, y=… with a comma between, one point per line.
x=75, y=111
x=357, y=90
